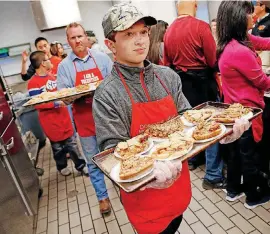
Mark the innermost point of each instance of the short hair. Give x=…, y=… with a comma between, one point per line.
x=40, y=39
x=75, y=25
x=36, y=58
x=214, y=20
x=90, y=33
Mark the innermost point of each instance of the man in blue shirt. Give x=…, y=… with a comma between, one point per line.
x=84, y=66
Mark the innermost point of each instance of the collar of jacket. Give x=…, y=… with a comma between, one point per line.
x=132, y=74
x=264, y=19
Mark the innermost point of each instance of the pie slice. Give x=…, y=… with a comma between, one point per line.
x=176, y=146
x=65, y=92
x=206, y=130
x=233, y=112
x=163, y=130
x=133, y=146
x=134, y=166
x=195, y=116
x=81, y=88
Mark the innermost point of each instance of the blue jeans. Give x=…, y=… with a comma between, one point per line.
x=72, y=120
x=213, y=165
x=90, y=148
x=61, y=148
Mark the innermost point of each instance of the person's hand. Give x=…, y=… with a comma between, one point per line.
x=24, y=56
x=165, y=172
x=60, y=104
x=70, y=100
x=240, y=126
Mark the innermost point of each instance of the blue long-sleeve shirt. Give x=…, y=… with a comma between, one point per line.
x=66, y=74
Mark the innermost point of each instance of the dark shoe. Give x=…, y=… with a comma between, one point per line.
x=207, y=184
x=234, y=196
x=252, y=205
x=192, y=166
x=105, y=206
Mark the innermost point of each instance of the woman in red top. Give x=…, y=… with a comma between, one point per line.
x=58, y=50
x=243, y=81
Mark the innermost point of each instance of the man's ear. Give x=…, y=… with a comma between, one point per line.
x=111, y=45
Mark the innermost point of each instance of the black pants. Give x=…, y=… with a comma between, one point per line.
x=199, y=86
x=173, y=226
x=61, y=148
x=245, y=160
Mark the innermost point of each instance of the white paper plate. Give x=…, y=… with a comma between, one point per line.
x=171, y=158
x=158, y=140
x=190, y=131
x=247, y=117
x=186, y=123
x=116, y=170
x=151, y=144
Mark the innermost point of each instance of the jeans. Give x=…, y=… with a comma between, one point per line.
x=245, y=160
x=72, y=120
x=214, y=163
x=61, y=148
x=90, y=148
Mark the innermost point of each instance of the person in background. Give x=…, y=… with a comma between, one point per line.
x=41, y=44
x=84, y=66
x=190, y=49
x=93, y=42
x=213, y=25
x=155, y=54
x=243, y=81
x=262, y=25
x=58, y=50
x=262, y=28
x=54, y=116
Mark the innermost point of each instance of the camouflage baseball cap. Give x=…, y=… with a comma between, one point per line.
x=122, y=16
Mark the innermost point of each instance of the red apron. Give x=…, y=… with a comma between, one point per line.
x=219, y=83
x=151, y=210
x=82, y=109
x=55, y=122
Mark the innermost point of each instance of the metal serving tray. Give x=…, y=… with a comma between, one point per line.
x=106, y=159
x=74, y=95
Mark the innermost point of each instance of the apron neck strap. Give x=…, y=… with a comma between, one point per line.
x=143, y=84
x=89, y=53
x=124, y=83
x=162, y=83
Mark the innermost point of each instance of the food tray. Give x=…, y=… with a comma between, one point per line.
x=75, y=95
x=106, y=159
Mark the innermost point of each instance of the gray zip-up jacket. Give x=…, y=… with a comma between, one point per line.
x=112, y=105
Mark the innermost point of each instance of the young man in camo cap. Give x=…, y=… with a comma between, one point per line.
x=138, y=93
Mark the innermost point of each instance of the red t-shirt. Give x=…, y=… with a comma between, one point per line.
x=55, y=62
x=189, y=44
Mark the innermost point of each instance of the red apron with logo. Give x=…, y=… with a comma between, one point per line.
x=55, y=122
x=82, y=108
x=152, y=210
